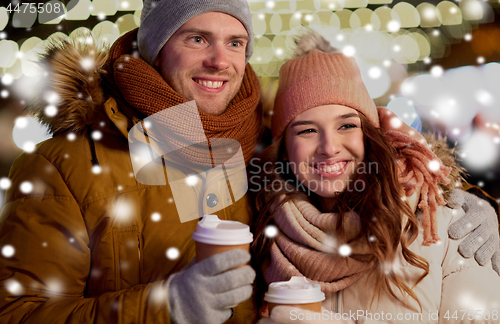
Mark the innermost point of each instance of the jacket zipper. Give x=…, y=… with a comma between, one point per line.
x=139, y=247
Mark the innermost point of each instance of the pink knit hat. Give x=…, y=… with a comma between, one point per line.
x=317, y=79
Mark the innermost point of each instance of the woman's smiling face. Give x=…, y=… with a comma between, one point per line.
x=324, y=145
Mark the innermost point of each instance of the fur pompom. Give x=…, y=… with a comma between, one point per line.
x=313, y=40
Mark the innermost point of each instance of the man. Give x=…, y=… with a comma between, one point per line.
x=92, y=244
x=83, y=240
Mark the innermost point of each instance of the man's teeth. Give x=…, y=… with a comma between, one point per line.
x=210, y=84
x=331, y=168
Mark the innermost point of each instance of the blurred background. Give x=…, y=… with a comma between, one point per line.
x=437, y=60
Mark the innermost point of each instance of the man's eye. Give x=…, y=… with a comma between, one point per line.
x=236, y=43
x=197, y=39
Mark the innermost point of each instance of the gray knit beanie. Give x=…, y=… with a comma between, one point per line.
x=160, y=19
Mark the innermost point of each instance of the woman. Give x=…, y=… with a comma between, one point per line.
x=361, y=207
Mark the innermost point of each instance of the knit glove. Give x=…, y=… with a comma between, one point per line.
x=205, y=292
x=481, y=223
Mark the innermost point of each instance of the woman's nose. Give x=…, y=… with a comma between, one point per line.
x=329, y=145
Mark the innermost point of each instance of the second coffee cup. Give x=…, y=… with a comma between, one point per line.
x=297, y=292
x=213, y=236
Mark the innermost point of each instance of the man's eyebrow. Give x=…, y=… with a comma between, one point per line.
x=208, y=33
x=195, y=31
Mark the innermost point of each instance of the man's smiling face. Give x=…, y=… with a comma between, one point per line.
x=205, y=60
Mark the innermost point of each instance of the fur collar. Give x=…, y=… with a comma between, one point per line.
x=72, y=71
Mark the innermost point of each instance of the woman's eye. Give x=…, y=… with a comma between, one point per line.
x=347, y=126
x=306, y=131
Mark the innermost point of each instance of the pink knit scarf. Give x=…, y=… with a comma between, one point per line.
x=307, y=245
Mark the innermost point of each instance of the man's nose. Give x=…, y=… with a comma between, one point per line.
x=217, y=57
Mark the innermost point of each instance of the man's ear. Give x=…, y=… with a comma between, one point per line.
x=157, y=62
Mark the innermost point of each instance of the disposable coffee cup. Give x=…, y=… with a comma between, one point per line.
x=297, y=292
x=213, y=236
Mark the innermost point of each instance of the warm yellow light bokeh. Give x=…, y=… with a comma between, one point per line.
x=4, y=18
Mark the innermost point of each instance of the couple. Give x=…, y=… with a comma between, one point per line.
x=92, y=245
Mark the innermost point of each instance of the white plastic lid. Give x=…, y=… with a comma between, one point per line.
x=212, y=230
x=297, y=290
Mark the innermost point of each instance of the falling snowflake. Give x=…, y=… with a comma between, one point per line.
x=271, y=231
x=172, y=253
x=437, y=71
x=14, y=287
x=192, y=180
x=349, y=50
x=29, y=147
x=7, y=79
x=155, y=217
x=26, y=187
x=434, y=165
x=87, y=63
x=4, y=94
x=52, y=97
x=96, y=135
x=50, y=110
x=396, y=122
x=54, y=285
x=8, y=251
x=345, y=250
x=5, y=183
x=21, y=122
x=123, y=210
x=159, y=294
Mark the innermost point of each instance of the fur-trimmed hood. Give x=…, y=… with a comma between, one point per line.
x=72, y=72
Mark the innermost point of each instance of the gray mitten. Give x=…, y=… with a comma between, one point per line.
x=204, y=292
x=481, y=223
x=495, y=261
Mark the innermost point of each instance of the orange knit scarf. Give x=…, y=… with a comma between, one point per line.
x=138, y=85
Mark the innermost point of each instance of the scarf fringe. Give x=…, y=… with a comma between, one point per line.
x=415, y=161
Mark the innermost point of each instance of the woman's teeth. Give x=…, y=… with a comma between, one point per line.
x=210, y=84
x=332, y=168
